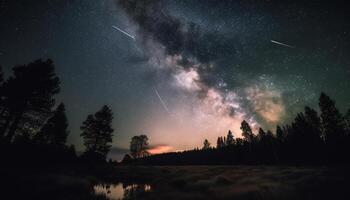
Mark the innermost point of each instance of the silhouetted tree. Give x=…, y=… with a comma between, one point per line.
x=280, y=135
x=1, y=84
x=347, y=121
x=347, y=140
x=269, y=134
x=239, y=142
x=28, y=96
x=314, y=122
x=2, y=103
x=139, y=146
x=300, y=142
x=220, y=143
x=333, y=127
x=206, y=144
x=230, y=138
x=97, y=132
x=1, y=76
x=313, y=134
x=54, y=131
x=331, y=119
x=261, y=134
x=247, y=132
x=127, y=158
x=305, y=132
x=72, y=151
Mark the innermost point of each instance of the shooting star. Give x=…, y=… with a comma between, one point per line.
x=282, y=44
x=161, y=100
x=125, y=33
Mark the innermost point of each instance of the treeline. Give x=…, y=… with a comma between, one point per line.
x=34, y=129
x=310, y=139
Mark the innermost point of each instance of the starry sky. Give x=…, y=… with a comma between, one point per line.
x=183, y=70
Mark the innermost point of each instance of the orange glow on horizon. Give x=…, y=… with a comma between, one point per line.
x=160, y=149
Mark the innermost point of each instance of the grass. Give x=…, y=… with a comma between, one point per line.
x=190, y=182
x=240, y=182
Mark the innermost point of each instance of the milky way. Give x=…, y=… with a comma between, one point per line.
x=212, y=63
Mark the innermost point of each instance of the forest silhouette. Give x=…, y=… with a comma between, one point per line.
x=311, y=139
x=34, y=130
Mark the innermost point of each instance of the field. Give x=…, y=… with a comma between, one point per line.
x=189, y=182
x=239, y=182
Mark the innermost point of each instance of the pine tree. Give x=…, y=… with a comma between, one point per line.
x=206, y=144
x=97, y=132
x=54, y=131
x=219, y=143
x=1, y=76
x=332, y=120
x=127, y=158
x=2, y=104
x=280, y=135
x=230, y=138
x=28, y=96
x=261, y=134
x=313, y=132
x=139, y=146
x=347, y=121
x=247, y=132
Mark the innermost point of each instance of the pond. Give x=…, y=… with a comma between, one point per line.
x=121, y=191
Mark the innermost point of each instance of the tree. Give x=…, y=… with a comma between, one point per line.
x=332, y=121
x=1, y=76
x=206, y=144
x=230, y=138
x=269, y=134
x=247, y=132
x=28, y=96
x=219, y=143
x=347, y=121
x=334, y=129
x=54, y=131
x=261, y=134
x=280, y=135
x=313, y=129
x=97, y=132
x=2, y=106
x=139, y=146
x=127, y=158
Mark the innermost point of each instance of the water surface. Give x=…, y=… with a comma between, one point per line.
x=121, y=191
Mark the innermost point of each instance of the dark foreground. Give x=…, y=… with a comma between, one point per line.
x=185, y=182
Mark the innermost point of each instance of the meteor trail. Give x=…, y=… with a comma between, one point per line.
x=161, y=100
x=125, y=33
x=282, y=44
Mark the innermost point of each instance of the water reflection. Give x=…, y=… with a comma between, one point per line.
x=121, y=191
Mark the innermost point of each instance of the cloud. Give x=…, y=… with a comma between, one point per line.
x=160, y=148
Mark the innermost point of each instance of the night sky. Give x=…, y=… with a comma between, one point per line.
x=188, y=70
